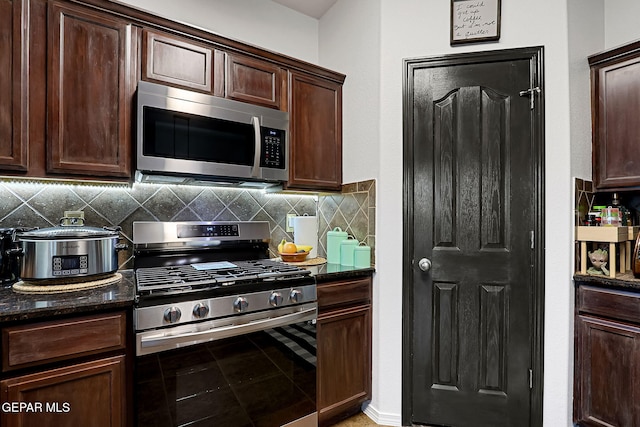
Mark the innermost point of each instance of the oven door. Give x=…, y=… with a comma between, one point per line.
x=260, y=373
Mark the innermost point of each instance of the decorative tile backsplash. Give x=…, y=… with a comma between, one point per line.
x=43, y=204
x=353, y=210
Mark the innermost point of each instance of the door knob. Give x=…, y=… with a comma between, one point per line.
x=424, y=264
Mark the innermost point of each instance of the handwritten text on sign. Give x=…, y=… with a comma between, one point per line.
x=473, y=19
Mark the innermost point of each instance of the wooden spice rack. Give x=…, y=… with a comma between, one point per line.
x=619, y=240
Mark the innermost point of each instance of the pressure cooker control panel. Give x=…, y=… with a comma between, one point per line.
x=69, y=265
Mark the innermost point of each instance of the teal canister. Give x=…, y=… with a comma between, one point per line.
x=333, y=244
x=347, y=248
x=362, y=256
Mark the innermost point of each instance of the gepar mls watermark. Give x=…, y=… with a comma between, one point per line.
x=33, y=407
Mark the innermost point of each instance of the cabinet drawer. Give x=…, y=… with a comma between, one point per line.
x=45, y=342
x=333, y=294
x=609, y=303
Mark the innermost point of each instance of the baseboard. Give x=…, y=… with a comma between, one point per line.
x=381, y=418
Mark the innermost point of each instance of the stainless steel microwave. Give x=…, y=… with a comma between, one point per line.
x=185, y=137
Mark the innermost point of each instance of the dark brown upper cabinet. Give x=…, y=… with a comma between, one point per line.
x=178, y=62
x=69, y=72
x=315, y=121
x=13, y=79
x=90, y=86
x=256, y=81
x=615, y=105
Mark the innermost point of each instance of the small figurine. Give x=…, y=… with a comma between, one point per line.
x=598, y=260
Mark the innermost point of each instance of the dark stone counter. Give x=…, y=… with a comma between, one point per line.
x=19, y=307
x=329, y=272
x=15, y=306
x=624, y=281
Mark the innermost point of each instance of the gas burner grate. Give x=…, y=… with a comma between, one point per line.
x=212, y=275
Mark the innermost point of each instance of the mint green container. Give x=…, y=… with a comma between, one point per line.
x=362, y=256
x=334, y=238
x=347, y=248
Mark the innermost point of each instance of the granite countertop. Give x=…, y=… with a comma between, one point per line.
x=15, y=306
x=621, y=281
x=327, y=272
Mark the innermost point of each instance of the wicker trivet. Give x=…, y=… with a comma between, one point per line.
x=309, y=262
x=37, y=288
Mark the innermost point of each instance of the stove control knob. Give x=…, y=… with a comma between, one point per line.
x=275, y=299
x=200, y=310
x=172, y=314
x=240, y=304
x=295, y=295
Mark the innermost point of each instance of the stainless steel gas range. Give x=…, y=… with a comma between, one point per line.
x=224, y=335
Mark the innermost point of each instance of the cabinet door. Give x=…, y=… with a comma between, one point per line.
x=13, y=78
x=344, y=362
x=91, y=82
x=615, y=101
x=254, y=81
x=90, y=393
x=176, y=61
x=315, y=122
x=607, y=370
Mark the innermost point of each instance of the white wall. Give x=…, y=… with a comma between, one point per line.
x=415, y=28
x=262, y=23
x=621, y=22
x=586, y=37
x=354, y=27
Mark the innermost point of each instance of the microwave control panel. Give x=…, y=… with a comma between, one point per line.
x=273, y=148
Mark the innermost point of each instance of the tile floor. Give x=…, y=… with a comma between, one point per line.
x=359, y=420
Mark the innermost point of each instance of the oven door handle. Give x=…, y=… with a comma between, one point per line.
x=215, y=333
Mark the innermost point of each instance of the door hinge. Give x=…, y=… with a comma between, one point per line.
x=532, y=239
x=530, y=379
x=531, y=93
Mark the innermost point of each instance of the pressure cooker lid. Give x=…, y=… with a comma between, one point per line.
x=70, y=230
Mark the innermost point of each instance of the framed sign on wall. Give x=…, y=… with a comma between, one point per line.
x=475, y=21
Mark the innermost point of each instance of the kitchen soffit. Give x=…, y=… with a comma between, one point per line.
x=313, y=8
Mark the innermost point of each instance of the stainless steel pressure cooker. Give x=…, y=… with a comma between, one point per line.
x=69, y=251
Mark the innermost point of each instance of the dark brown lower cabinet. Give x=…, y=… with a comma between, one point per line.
x=67, y=372
x=607, y=358
x=344, y=348
x=86, y=394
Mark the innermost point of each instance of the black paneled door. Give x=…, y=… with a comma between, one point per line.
x=473, y=220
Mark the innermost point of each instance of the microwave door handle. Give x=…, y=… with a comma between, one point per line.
x=255, y=121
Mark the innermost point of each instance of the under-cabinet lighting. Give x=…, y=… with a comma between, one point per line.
x=14, y=180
